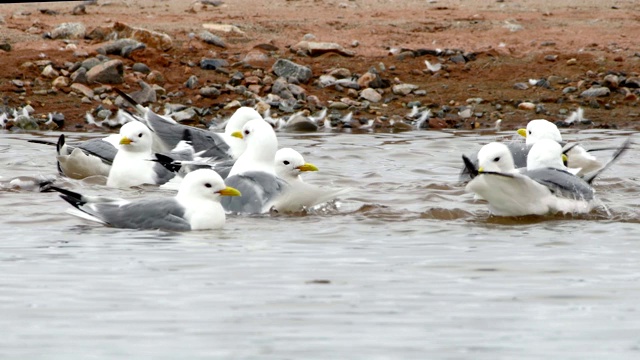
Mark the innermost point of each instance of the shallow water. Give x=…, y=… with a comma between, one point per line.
x=407, y=267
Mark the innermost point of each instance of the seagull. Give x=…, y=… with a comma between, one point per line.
x=133, y=163
x=254, y=171
x=91, y=157
x=168, y=132
x=195, y=207
x=299, y=195
x=539, y=191
x=577, y=156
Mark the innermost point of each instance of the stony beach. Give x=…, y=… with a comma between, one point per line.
x=374, y=65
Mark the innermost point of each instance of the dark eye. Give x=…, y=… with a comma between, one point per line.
x=529, y=132
x=140, y=135
x=246, y=132
x=286, y=162
x=496, y=159
x=207, y=185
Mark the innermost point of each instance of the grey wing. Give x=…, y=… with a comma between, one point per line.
x=202, y=140
x=162, y=174
x=562, y=183
x=165, y=214
x=223, y=168
x=213, y=145
x=100, y=148
x=168, y=133
x=258, y=189
x=519, y=152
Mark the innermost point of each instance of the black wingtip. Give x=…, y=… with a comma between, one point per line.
x=69, y=196
x=46, y=186
x=126, y=97
x=167, y=162
x=187, y=137
x=471, y=168
x=60, y=143
x=621, y=150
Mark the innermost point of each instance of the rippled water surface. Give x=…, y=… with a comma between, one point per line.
x=407, y=267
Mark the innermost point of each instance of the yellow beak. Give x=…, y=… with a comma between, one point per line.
x=480, y=169
x=237, y=134
x=229, y=191
x=125, y=141
x=522, y=132
x=565, y=159
x=307, y=167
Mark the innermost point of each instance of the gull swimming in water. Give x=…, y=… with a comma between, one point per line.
x=168, y=132
x=577, y=156
x=253, y=173
x=133, y=163
x=540, y=191
x=299, y=195
x=196, y=206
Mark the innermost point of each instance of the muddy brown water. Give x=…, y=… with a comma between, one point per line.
x=406, y=266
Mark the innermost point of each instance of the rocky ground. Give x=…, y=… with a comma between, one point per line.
x=489, y=60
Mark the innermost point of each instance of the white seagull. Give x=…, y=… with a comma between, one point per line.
x=195, y=207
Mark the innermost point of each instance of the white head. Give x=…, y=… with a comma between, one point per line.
x=204, y=184
x=495, y=157
x=540, y=129
x=544, y=154
x=289, y=164
x=262, y=145
x=235, y=124
x=135, y=137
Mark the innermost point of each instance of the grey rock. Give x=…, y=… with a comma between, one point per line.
x=5, y=46
x=611, y=81
x=289, y=69
x=520, y=86
x=17, y=83
x=338, y=105
x=79, y=10
x=184, y=115
x=90, y=63
x=280, y=88
x=371, y=95
x=551, y=58
x=79, y=76
x=403, y=89
x=236, y=78
x=68, y=31
x=313, y=48
x=569, y=90
x=348, y=83
x=145, y=95
x=632, y=82
x=49, y=72
x=192, y=82
x=297, y=91
x=596, y=92
x=213, y=64
x=141, y=68
x=211, y=39
x=209, y=92
x=82, y=89
x=301, y=123
x=110, y=72
x=326, y=80
x=458, y=59
x=123, y=47
x=420, y=92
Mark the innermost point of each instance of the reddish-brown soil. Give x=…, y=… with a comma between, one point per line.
x=511, y=39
